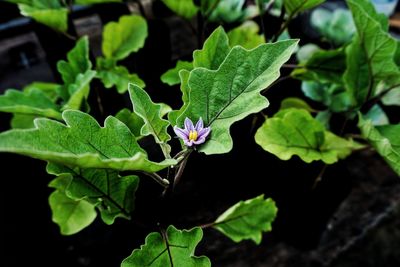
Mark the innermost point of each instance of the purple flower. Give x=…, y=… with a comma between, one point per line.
x=193, y=135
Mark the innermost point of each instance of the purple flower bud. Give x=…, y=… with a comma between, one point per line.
x=193, y=135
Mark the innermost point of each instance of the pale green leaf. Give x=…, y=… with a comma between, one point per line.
x=392, y=98
x=82, y=143
x=34, y=102
x=297, y=6
x=49, y=89
x=171, y=77
x=385, y=139
x=89, y=2
x=70, y=215
x=370, y=55
x=124, y=37
x=295, y=132
x=184, y=8
x=112, y=194
x=246, y=35
x=247, y=219
x=377, y=116
x=214, y=51
x=230, y=11
x=224, y=96
x=150, y=112
x=169, y=249
x=294, y=102
x=79, y=91
x=22, y=121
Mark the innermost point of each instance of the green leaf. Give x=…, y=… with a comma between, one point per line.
x=132, y=120
x=171, y=77
x=294, y=102
x=377, y=116
x=385, y=139
x=214, y=51
x=295, y=132
x=124, y=37
x=173, y=115
x=112, y=194
x=370, y=55
x=151, y=114
x=48, y=12
x=34, y=102
x=70, y=215
x=82, y=143
x=230, y=11
x=118, y=76
x=49, y=89
x=392, y=98
x=172, y=248
x=224, y=96
x=323, y=66
x=297, y=6
x=246, y=35
x=184, y=8
x=247, y=219
x=89, y=2
x=22, y=121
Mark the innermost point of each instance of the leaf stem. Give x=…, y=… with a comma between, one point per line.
x=181, y=167
x=161, y=181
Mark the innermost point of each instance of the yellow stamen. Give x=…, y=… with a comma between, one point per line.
x=193, y=135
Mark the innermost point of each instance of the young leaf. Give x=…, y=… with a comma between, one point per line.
x=184, y=8
x=172, y=248
x=69, y=214
x=171, y=77
x=296, y=6
x=34, y=102
x=79, y=91
x=377, y=116
x=232, y=92
x=89, y=2
x=214, y=51
x=295, y=132
x=294, y=102
x=82, y=143
x=247, y=219
x=48, y=12
x=151, y=114
x=49, y=89
x=112, y=194
x=385, y=139
x=133, y=121
x=116, y=75
x=246, y=35
x=124, y=37
x=370, y=55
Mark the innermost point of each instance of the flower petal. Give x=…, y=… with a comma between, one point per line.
x=199, y=141
x=203, y=133
x=189, y=125
x=181, y=133
x=188, y=142
x=199, y=125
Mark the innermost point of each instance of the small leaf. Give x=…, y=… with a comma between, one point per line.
x=49, y=89
x=247, y=219
x=79, y=91
x=82, y=143
x=377, y=116
x=70, y=215
x=151, y=114
x=171, y=77
x=184, y=8
x=385, y=139
x=246, y=35
x=295, y=132
x=34, y=102
x=117, y=76
x=174, y=248
x=297, y=6
x=124, y=37
x=214, y=51
x=112, y=194
x=132, y=120
x=294, y=102
x=89, y=2
x=224, y=96
x=48, y=12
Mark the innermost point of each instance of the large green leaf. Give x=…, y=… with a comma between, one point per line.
x=385, y=139
x=48, y=12
x=118, y=76
x=82, y=143
x=295, y=132
x=150, y=112
x=184, y=8
x=224, y=96
x=171, y=77
x=297, y=6
x=34, y=102
x=214, y=51
x=370, y=55
x=124, y=37
x=169, y=249
x=112, y=194
x=247, y=219
x=246, y=35
x=71, y=215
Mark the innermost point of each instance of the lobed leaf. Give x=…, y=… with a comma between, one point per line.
x=184, y=8
x=171, y=77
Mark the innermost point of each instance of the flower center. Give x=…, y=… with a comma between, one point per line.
x=193, y=135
